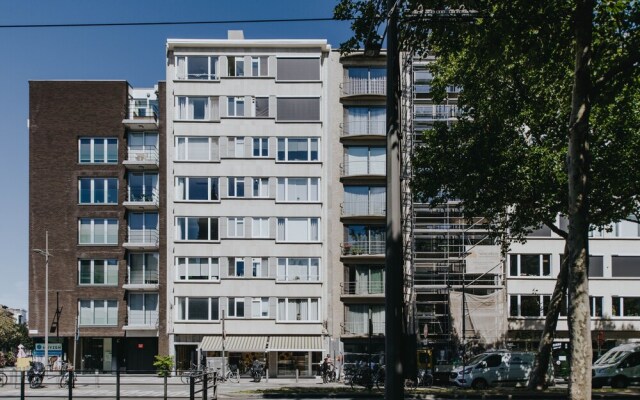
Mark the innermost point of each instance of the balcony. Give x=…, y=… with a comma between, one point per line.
x=142, y=321
x=361, y=328
x=362, y=289
x=365, y=129
x=141, y=117
x=436, y=113
x=364, y=208
x=365, y=87
x=365, y=168
x=364, y=248
x=142, y=157
x=142, y=239
x=140, y=280
x=140, y=199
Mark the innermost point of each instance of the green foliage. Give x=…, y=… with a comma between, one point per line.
x=164, y=365
x=12, y=334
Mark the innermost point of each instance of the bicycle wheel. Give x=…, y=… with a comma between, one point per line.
x=235, y=376
x=64, y=380
x=35, y=382
x=185, y=377
x=3, y=379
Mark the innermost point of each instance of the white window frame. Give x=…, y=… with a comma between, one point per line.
x=213, y=269
x=237, y=146
x=94, y=183
x=261, y=146
x=260, y=227
x=238, y=61
x=540, y=265
x=176, y=306
x=186, y=139
x=93, y=143
x=309, y=302
x=259, y=267
x=283, y=228
x=260, y=307
x=234, y=185
x=282, y=195
x=151, y=317
x=212, y=61
x=285, y=156
x=93, y=226
x=260, y=187
x=211, y=220
x=232, y=106
x=234, y=267
x=235, y=227
x=184, y=180
x=541, y=298
x=109, y=267
x=287, y=276
x=233, y=303
x=255, y=61
x=94, y=306
x=189, y=116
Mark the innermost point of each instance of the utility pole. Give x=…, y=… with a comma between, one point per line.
x=394, y=263
x=46, y=255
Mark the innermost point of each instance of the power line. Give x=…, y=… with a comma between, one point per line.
x=106, y=24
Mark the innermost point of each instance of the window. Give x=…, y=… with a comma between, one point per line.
x=197, y=309
x=595, y=306
x=298, y=69
x=365, y=80
x=236, y=267
x=357, y=319
x=628, y=228
x=298, y=109
x=260, y=307
x=298, y=149
x=260, y=187
x=298, y=189
x=261, y=107
x=98, y=272
x=197, y=228
x=364, y=279
x=299, y=269
x=98, y=312
x=194, y=108
x=625, y=306
x=143, y=146
x=298, y=229
x=236, y=307
x=98, y=231
x=261, y=147
x=197, y=67
x=236, y=147
x=364, y=200
x=298, y=309
x=235, y=107
x=197, y=269
x=596, y=268
x=259, y=267
x=197, y=149
x=528, y=305
x=365, y=121
x=236, y=65
x=143, y=268
x=143, y=228
x=260, y=227
x=192, y=188
x=235, y=227
x=364, y=239
x=143, y=309
x=235, y=187
x=529, y=265
x=98, y=150
x=625, y=266
x=255, y=66
x=362, y=160
x=143, y=187
x=98, y=190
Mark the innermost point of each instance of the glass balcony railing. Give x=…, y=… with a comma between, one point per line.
x=143, y=318
x=361, y=128
x=144, y=154
x=365, y=207
x=363, y=247
x=138, y=112
x=365, y=167
x=142, y=194
x=138, y=276
x=143, y=237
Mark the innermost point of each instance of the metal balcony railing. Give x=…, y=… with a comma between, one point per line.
x=147, y=236
x=298, y=278
x=363, y=247
x=138, y=276
x=136, y=112
x=140, y=194
x=143, y=318
x=362, y=288
x=366, y=207
x=367, y=127
x=362, y=328
x=352, y=87
x=366, y=167
x=143, y=154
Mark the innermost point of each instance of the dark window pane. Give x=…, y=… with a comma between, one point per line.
x=529, y=264
x=213, y=233
x=198, y=309
x=513, y=306
x=595, y=266
x=530, y=306
x=215, y=315
x=625, y=266
x=513, y=265
x=631, y=306
x=198, y=188
x=546, y=265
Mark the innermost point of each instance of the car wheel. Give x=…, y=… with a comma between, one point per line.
x=479, y=384
x=619, y=382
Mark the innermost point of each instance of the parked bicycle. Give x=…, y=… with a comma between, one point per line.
x=368, y=376
x=423, y=379
x=66, y=377
x=193, y=371
x=3, y=379
x=232, y=374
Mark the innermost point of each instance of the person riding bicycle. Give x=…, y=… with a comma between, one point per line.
x=326, y=367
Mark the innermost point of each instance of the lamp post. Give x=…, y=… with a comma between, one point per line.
x=46, y=255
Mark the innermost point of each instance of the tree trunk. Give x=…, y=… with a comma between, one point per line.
x=578, y=174
x=538, y=379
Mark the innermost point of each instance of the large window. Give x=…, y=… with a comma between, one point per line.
x=98, y=150
x=143, y=146
x=191, y=188
x=197, y=149
x=364, y=239
x=365, y=80
x=298, y=149
x=197, y=228
x=197, y=268
x=298, y=309
x=364, y=279
x=299, y=269
x=357, y=319
x=298, y=189
x=260, y=187
x=143, y=186
x=625, y=266
x=98, y=313
x=364, y=200
x=528, y=305
x=236, y=307
x=143, y=227
x=298, y=69
x=195, y=108
x=98, y=190
x=143, y=309
x=298, y=108
x=235, y=227
x=197, y=67
x=529, y=265
x=363, y=160
x=625, y=306
x=260, y=307
x=98, y=272
x=260, y=227
x=235, y=187
x=197, y=309
x=298, y=229
x=98, y=231
x=143, y=268
x=595, y=306
x=365, y=121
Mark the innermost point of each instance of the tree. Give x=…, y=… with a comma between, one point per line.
x=550, y=125
x=12, y=334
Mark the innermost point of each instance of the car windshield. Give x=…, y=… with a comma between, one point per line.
x=611, y=357
x=476, y=359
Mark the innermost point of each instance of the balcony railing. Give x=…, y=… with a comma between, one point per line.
x=362, y=288
x=362, y=328
x=144, y=237
x=138, y=194
x=367, y=167
x=143, y=319
x=298, y=278
x=144, y=154
x=366, y=207
x=139, y=112
x=353, y=87
x=361, y=128
x=137, y=276
x=363, y=247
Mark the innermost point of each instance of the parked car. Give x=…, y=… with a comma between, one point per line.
x=618, y=367
x=496, y=368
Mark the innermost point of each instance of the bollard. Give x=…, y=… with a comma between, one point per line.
x=97, y=379
x=165, y=386
x=118, y=384
x=71, y=382
x=21, y=385
x=297, y=373
x=205, y=381
x=192, y=388
x=266, y=375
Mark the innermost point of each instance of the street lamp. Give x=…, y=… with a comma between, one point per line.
x=46, y=255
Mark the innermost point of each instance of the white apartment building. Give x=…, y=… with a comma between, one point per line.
x=247, y=151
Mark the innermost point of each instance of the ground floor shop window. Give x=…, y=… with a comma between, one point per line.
x=290, y=361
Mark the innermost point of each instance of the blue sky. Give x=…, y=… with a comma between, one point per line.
x=135, y=54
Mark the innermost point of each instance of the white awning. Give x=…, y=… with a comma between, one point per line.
x=211, y=343
x=295, y=343
x=234, y=343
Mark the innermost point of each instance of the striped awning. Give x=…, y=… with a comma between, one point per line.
x=295, y=343
x=211, y=343
x=234, y=343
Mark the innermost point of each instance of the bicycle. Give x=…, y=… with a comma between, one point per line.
x=65, y=378
x=232, y=374
x=193, y=371
x=3, y=379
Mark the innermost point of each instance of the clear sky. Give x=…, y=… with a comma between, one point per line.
x=135, y=54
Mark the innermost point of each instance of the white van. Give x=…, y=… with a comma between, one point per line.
x=618, y=367
x=495, y=368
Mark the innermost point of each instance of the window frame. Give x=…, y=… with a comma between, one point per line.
x=211, y=266
x=260, y=191
x=283, y=155
x=263, y=224
x=233, y=103
x=237, y=267
x=235, y=187
x=210, y=76
x=107, y=142
x=106, y=187
x=543, y=302
x=282, y=189
x=542, y=257
x=258, y=303
x=106, y=264
x=106, y=303
x=285, y=262
x=186, y=225
x=213, y=185
x=186, y=139
x=105, y=224
x=210, y=308
x=310, y=231
x=189, y=104
x=235, y=227
x=234, y=311
x=146, y=268
x=260, y=145
x=309, y=302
